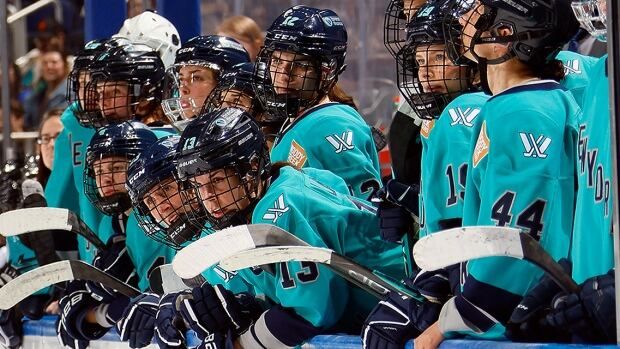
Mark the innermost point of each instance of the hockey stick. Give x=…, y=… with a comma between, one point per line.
x=258, y=244
x=163, y=280
x=452, y=246
x=28, y=220
x=28, y=283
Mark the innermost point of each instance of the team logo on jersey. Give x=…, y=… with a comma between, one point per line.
x=297, y=155
x=342, y=142
x=535, y=147
x=482, y=145
x=572, y=67
x=279, y=208
x=463, y=117
x=427, y=127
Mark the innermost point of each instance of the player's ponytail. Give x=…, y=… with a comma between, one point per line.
x=553, y=70
x=337, y=94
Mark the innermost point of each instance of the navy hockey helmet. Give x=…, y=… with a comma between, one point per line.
x=128, y=81
x=215, y=52
x=426, y=77
x=108, y=155
x=223, y=155
x=301, y=60
x=161, y=203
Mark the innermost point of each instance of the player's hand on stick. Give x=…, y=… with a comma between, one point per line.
x=395, y=320
x=590, y=314
x=214, y=309
x=114, y=260
x=169, y=326
x=74, y=306
x=66, y=341
x=396, y=203
x=137, y=325
x=528, y=322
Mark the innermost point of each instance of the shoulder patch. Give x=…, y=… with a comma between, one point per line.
x=297, y=155
x=342, y=142
x=279, y=208
x=482, y=145
x=534, y=147
x=427, y=127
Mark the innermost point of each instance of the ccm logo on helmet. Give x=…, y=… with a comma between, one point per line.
x=285, y=37
x=136, y=176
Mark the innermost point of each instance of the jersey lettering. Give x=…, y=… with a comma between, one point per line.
x=595, y=173
x=76, y=151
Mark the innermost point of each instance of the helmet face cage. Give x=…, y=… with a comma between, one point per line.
x=592, y=15
x=288, y=82
x=169, y=212
x=187, y=87
x=226, y=194
x=104, y=181
x=83, y=98
x=462, y=14
x=428, y=79
x=397, y=15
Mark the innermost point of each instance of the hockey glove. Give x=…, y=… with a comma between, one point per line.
x=433, y=285
x=396, y=203
x=137, y=325
x=528, y=321
x=114, y=260
x=589, y=315
x=396, y=320
x=7, y=273
x=10, y=329
x=66, y=341
x=169, y=327
x=74, y=306
x=214, y=309
x=10, y=189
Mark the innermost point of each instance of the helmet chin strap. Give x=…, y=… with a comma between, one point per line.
x=484, y=79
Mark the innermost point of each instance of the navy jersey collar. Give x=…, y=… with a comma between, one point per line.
x=541, y=85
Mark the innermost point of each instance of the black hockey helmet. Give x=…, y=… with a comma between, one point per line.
x=397, y=15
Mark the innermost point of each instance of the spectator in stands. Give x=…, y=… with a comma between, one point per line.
x=50, y=92
x=246, y=31
x=17, y=117
x=14, y=82
x=50, y=128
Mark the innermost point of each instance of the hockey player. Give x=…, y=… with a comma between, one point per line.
x=297, y=74
x=522, y=168
x=161, y=213
x=223, y=155
x=235, y=90
x=441, y=92
x=587, y=316
x=196, y=70
x=129, y=255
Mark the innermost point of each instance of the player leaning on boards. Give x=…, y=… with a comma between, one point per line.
x=162, y=206
x=223, y=156
x=297, y=73
x=587, y=315
x=522, y=168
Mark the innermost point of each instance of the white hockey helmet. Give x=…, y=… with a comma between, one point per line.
x=155, y=31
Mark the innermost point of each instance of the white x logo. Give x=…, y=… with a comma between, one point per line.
x=535, y=147
x=341, y=143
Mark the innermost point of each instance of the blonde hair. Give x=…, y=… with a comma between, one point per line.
x=244, y=27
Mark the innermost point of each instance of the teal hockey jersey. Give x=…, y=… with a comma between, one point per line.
x=521, y=174
x=323, y=217
x=577, y=69
x=446, y=142
x=65, y=187
x=332, y=137
x=592, y=246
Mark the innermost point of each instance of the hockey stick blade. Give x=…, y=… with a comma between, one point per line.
x=209, y=250
x=163, y=280
x=28, y=283
x=458, y=245
x=350, y=270
x=28, y=220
